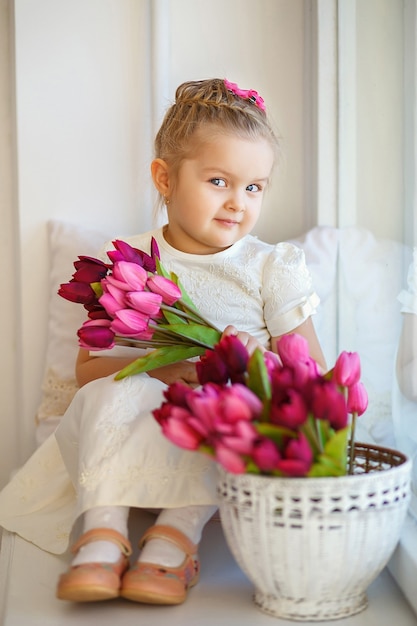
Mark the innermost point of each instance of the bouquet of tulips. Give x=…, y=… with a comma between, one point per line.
x=264, y=413
x=134, y=301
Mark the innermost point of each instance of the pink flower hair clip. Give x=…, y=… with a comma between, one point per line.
x=246, y=94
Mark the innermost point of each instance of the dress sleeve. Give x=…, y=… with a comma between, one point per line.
x=287, y=290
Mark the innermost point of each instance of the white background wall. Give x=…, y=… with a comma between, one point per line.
x=87, y=81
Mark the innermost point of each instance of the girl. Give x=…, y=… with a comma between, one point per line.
x=214, y=155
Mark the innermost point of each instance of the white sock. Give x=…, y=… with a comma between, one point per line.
x=189, y=520
x=114, y=517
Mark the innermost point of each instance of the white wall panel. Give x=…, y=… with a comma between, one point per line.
x=83, y=127
x=259, y=46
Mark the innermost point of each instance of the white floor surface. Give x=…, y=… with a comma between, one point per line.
x=223, y=596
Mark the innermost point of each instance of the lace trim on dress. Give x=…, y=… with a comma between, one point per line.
x=57, y=395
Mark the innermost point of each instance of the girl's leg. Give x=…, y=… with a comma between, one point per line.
x=102, y=557
x=113, y=517
x=168, y=564
x=189, y=520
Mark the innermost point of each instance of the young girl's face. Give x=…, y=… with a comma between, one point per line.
x=218, y=193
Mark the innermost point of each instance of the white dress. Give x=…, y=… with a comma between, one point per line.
x=108, y=448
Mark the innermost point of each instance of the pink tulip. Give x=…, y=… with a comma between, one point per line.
x=272, y=362
x=328, y=403
x=133, y=275
x=111, y=304
x=281, y=379
x=125, y=252
x=265, y=454
x=96, y=335
x=203, y=428
x=177, y=393
x=293, y=348
x=249, y=398
x=177, y=430
x=242, y=439
x=297, y=457
x=169, y=291
x=118, y=293
x=111, y=282
x=235, y=406
x=154, y=250
x=230, y=460
x=303, y=371
x=357, y=400
x=289, y=410
x=347, y=369
x=129, y=323
x=204, y=403
x=145, y=302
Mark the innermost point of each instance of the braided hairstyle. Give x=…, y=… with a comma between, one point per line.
x=208, y=105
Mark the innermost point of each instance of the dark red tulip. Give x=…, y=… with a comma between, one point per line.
x=96, y=335
x=82, y=293
x=89, y=270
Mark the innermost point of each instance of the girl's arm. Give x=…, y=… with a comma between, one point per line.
x=89, y=368
x=306, y=329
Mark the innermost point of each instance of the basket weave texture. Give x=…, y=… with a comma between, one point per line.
x=312, y=546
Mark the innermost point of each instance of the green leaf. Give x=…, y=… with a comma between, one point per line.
x=333, y=460
x=258, y=379
x=319, y=470
x=336, y=446
x=204, y=335
x=158, y=358
x=97, y=288
x=172, y=318
x=185, y=298
x=160, y=269
x=274, y=432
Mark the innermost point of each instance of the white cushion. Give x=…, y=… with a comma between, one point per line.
x=66, y=242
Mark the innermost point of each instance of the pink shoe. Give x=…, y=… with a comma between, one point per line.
x=157, y=584
x=91, y=582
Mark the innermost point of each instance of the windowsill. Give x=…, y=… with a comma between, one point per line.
x=403, y=563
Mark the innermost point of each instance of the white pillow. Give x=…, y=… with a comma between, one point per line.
x=321, y=246
x=66, y=242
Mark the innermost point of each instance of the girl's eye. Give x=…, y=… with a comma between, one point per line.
x=253, y=187
x=219, y=182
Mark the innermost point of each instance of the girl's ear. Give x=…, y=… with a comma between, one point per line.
x=160, y=176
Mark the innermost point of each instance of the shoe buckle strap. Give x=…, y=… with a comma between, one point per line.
x=104, y=534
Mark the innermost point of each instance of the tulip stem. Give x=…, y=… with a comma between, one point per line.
x=173, y=337
x=188, y=313
x=352, y=443
x=312, y=435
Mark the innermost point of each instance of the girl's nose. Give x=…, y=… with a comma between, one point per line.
x=235, y=202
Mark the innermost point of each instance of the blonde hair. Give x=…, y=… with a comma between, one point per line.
x=208, y=103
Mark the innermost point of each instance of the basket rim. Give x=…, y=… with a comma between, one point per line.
x=401, y=463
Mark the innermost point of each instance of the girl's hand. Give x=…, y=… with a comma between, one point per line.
x=248, y=341
x=183, y=371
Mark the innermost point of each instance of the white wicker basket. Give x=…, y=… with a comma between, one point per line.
x=312, y=546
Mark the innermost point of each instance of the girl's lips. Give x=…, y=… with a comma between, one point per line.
x=227, y=222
